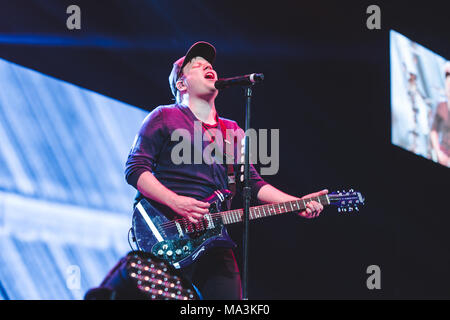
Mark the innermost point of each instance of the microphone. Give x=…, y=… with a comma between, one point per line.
x=243, y=81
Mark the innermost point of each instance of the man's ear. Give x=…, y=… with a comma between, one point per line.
x=180, y=85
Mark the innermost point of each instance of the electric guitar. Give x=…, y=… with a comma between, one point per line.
x=181, y=242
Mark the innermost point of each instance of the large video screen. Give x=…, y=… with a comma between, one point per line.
x=65, y=207
x=420, y=94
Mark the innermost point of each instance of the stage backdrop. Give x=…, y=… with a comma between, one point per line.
x=65, y=207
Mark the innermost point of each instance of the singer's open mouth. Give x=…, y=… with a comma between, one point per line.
x=210, y=76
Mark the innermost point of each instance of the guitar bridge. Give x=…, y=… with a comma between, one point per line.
x=179, y=229
x=210, y=222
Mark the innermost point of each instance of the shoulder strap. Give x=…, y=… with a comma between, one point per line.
x=230, y=167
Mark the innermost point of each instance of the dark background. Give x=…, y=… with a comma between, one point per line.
x=326, y=89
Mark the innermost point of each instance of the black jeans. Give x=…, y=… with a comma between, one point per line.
x=216, y=275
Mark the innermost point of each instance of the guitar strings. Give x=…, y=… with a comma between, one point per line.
x=184, y=221
x=213, y=215
x=216, y=214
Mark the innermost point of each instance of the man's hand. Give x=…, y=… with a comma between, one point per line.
x=313, y=208
x=189, y=208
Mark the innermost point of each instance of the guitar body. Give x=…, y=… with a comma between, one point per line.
x=177, y=242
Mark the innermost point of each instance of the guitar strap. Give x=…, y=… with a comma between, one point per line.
x=231, y=176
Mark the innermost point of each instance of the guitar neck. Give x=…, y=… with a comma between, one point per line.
x=267, y=210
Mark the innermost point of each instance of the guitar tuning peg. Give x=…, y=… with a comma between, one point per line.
x=351, y=190
x=350, y=209
x=339, y=209
x=356, y=208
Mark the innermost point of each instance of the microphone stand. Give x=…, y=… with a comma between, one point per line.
x=246, y=193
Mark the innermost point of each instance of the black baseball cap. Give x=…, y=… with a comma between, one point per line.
x=199, y=49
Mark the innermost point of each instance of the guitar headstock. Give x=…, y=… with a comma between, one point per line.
x=346, y=200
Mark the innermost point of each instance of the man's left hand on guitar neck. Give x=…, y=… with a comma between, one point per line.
x=313, y=208
x=270, y=194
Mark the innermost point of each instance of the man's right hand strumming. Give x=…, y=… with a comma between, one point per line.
x=189, y=208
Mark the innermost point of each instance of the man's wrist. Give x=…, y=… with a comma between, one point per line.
x=170, y=198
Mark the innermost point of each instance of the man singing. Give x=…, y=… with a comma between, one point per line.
x=181, y=187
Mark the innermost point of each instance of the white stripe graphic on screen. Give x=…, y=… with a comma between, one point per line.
x=149, y=222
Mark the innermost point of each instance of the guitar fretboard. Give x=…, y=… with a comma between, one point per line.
x=267, y=210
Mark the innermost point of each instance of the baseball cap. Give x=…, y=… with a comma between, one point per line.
x=199, y=49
